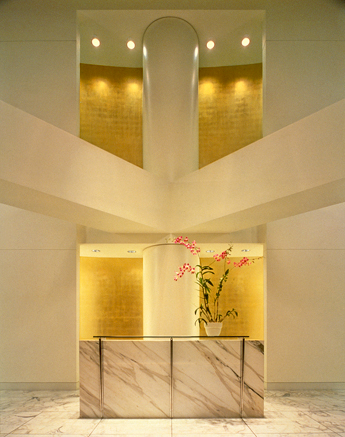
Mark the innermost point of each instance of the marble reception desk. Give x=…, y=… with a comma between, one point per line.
x=171, y=377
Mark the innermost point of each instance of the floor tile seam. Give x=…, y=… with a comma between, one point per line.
x=22, y=424
x=313, y=419
x=329, y=413
x=250, y=428
x=93, y=430
x=338, y=431
x=219, y=433
x=243, y=420
x=323, y=421
x=300, y=408
x=293, y=422
x=251, y=431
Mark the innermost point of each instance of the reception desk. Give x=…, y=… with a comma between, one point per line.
x=171, y=377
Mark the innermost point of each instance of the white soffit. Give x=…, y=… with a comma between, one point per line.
x=294, y=170
x=121, y=250
x=226, y=28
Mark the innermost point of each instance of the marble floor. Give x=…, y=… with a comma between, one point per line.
x=42, y=413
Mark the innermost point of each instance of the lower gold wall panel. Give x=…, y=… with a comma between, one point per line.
x=243, y=291
x=111, y=296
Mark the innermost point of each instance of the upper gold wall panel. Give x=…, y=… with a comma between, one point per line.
x=230, y=110
x=111, y=110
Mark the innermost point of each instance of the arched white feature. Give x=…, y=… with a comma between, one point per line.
x=169, y=305
x=170, y=98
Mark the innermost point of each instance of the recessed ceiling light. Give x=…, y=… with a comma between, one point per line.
x=245, y=42
x=131, y=251
x=210, y=44
x=131, y=44
x=95, y=250
x=209, y=251
x=96, y=42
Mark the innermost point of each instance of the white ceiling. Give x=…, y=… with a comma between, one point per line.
x=225, y=28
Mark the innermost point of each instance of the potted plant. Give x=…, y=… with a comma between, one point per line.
x=208, y=310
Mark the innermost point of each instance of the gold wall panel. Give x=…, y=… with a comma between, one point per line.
x=111, y=110
x=243, y=291
x=230, y=110
x=111, y=296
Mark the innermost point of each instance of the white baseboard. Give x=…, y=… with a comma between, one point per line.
x=39, y=386
x=305, y=385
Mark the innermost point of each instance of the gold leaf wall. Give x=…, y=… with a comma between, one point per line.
x=111, y=110
x=230, y=110
x=243, y=291
x=111, y=296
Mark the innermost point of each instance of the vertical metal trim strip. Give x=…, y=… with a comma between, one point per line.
x=242, y=376
x=171, y=375
x=101, y=388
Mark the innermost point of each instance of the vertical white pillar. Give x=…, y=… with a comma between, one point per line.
x=170, y=98
x=169, y=305
x=170, y=150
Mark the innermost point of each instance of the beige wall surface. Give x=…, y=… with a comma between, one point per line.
x=37, y=301
x=306, y=300
x=304, y=65
x=40, y=78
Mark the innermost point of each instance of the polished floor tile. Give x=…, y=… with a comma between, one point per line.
x=133, y=426
x=285, y=426
x=58, y=423
x=320, y=434
x=299, y=413
x=209, y=426
x=10, y=422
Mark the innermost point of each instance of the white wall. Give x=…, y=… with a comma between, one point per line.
x=38, y=55
x=304, y=66
x=304, y=72
x=306, y=300
x=38, y=324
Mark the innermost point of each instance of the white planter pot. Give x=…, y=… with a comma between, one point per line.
x=213, y=329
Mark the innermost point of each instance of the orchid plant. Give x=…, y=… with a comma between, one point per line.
x=208, y=311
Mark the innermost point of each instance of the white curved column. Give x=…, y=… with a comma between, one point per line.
x=170, y=98
x=169, y=305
